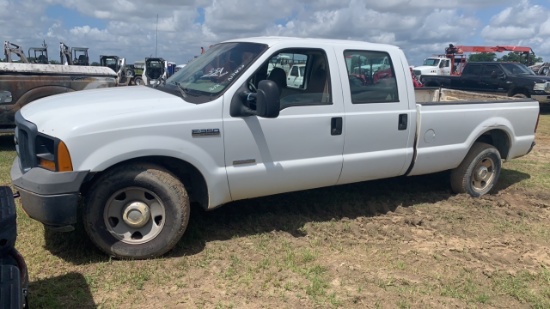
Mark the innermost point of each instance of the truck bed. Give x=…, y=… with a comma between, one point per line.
x=437, y=95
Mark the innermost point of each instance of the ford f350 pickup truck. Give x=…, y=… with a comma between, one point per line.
x=504, y=78
x=221, y=129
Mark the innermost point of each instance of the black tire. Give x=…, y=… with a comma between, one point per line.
x=129, y=73
x=138, y=211
x=138, y=80
x=520, y=95
x=479, y=171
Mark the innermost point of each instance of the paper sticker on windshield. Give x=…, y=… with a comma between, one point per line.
x=218, y=72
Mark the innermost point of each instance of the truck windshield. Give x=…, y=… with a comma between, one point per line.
x=517, y=69
x=431, y=62
x=207, y=76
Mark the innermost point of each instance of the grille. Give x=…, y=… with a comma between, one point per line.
x=25, y=136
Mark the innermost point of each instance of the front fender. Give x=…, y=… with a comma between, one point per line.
x=206, y=155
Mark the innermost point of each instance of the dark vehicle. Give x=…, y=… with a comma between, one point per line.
x=125, y=72
x=22, y=83
x=14, y=279
x=39, y=54
x=506, y=78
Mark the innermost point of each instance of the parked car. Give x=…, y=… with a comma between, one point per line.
x=505, y=78
x=295, y=77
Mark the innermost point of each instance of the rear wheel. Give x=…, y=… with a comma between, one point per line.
x=478, y=172
x=138, y=211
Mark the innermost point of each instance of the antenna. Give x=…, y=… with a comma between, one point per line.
x=156, y=35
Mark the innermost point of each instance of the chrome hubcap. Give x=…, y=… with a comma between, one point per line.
x=483, y=174
x=136, y=214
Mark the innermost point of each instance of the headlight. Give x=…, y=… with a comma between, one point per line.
x=53, y=154
x=542, y=87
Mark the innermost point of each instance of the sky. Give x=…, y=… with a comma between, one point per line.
x=176, y=29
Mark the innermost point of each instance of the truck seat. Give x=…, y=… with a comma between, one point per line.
x=278, y=75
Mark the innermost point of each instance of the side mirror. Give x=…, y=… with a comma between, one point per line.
x=267, y=99
x=263, y=103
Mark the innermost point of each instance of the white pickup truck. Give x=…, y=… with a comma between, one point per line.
x=222, y=130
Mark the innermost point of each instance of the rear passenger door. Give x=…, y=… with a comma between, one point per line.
x=379, y=125
x=471, y=77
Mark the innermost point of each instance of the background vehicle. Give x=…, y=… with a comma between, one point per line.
x=454, y=60
x=39, y=54
x=282, y=61
x=153, y=71
x=133, y=159
x=14, y=278
x=541, y=68
x=440, y=65
x=157, y=69
x=125, y=73
x=138, y=68
x=10, y=48
x=74, y=55
x=295, y=77
x=22, y=83
x=505, y=78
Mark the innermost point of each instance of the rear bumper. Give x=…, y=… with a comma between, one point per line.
x=49, y=197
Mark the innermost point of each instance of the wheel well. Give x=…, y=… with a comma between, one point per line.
x=497, y=138
x=515, y=91
x=189, y=175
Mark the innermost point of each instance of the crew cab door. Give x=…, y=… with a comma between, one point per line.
x=301, y=148
x=379, y=124
x=492, y=79
x=445, y=67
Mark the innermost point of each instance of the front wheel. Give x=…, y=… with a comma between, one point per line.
x=138, y=81
x=478, y=172
x=138, y=211
x=520, y=95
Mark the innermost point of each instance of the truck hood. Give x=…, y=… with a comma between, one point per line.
x=534, y=78
x=101, y=108
x=425, y=67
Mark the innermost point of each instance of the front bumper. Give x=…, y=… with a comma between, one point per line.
x=49, y=197
x=542, y=98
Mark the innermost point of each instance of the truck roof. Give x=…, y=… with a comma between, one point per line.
x=281, y=40
x=492, y=62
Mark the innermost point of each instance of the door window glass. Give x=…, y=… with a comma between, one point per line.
x=371, y=77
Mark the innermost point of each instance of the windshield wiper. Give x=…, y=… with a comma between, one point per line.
x=186, y=91
x=182, y=89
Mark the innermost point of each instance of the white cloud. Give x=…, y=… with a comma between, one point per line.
x=420, y=27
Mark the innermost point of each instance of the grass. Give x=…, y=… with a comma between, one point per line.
x=396, y=243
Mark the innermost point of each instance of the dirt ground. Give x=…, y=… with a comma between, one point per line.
x=397, y=243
